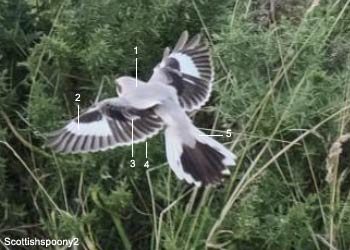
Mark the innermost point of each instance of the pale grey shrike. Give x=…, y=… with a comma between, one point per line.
x=180, y=83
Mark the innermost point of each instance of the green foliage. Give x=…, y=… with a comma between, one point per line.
x=282, y=68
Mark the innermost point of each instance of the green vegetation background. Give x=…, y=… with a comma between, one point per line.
x=282, y=86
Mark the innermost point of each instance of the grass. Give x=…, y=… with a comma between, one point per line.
x=282, y=87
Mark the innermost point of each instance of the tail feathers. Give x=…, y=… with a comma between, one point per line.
x=203, y=163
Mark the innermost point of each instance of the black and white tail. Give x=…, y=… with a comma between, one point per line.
x=199, y=160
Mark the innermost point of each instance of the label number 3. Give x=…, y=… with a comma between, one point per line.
x=132, y=163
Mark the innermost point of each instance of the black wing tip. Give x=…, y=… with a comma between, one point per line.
x=57, y=141
x=52, y=137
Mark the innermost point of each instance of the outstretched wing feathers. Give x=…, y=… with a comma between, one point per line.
x=105, y=127
x=189, y=68
x=194, y=42
x=182, y=41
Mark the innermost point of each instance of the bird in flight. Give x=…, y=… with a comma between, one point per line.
x=180, y=83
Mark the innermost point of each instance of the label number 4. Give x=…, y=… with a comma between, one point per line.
x=132, y=164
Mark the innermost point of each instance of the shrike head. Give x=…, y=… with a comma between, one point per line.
x=125, y=84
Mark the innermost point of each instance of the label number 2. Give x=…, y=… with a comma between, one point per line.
x=77, y=97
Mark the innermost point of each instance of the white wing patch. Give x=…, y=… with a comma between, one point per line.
x=96, y=128
x=186, y=64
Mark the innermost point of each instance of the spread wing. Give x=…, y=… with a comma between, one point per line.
x=189, y=69
x=104, y=127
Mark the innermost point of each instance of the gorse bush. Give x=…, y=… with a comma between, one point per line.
x=282, y=86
